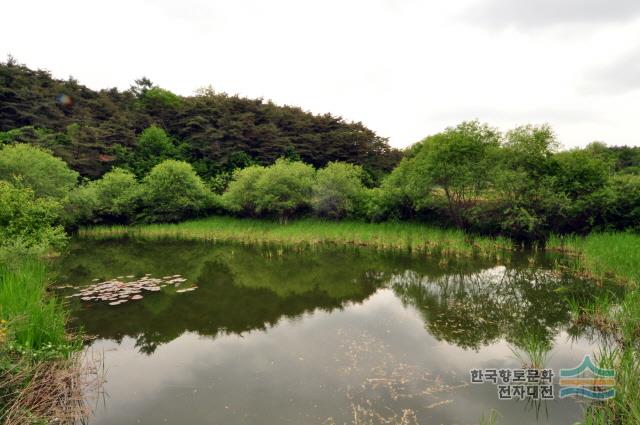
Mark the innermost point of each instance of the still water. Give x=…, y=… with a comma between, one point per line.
x=327, y=336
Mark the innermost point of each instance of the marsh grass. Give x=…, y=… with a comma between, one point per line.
x=411, y=237
x=39, y=369
x=491, y=418
x=532, y=351
x=603, y=255
x=35, y=321
x=612, y=256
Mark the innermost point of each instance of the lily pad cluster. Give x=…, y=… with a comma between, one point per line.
x=119, y=291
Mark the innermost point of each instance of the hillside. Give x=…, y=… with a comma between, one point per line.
x=96, y=130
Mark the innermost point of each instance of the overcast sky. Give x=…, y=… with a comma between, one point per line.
x=405, y=68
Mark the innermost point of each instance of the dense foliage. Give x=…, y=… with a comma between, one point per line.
x=27, y=223
x=153, y=156
x=27, y=166
x=138, y=128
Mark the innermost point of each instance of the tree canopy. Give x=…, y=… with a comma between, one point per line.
x=93, y=130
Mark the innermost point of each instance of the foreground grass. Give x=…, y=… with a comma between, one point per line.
x=616, y=256
x=39, y=369
x=603, y=255
x=404, y=236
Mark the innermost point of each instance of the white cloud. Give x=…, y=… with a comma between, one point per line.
x=405, y=68
x=543, y=13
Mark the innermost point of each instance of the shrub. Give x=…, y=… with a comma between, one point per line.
x=172, y=191
x=28, y=224
x=284, y=189
x=581, y=172
x=154, y=146
x=241, y=195
x=112, y=199
x=28, y=166
x=338, y=190
x=79, y=206
x=116, y=195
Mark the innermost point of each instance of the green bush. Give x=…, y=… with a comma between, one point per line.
x=241, y=195
x=28, y=166
x=79, y=206
x=116, y=193
x=172, y=191
x=154, y=146
x=338, y=191
x=112, y=199
x=28, y=224
x=284, y=189
x=581, y=172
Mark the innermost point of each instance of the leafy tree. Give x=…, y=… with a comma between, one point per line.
x=116, y=194
x=523, y=182
x=28, y=166
x=459, y=161
x=241, y=197
x=284, y=189
x=209, y=126
x=154, y=146
x=172, y=191
x=581, y=172
x=338, y=190
x=111, y=199
x=220, y=182
x=79, y=206
x=28, y=223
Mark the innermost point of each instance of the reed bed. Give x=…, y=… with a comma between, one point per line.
x=36, y=321
x=603, y=255
x=53, y=391
x=612, y=256
x=40, y=374
x=411, y=237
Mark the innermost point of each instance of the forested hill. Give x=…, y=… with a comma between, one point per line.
x=96, y=130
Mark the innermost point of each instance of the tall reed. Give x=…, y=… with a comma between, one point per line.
x=614, y=256
x=404, y=236
x=35, y=321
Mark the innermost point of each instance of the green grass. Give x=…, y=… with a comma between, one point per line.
x=405, y=236
x=615, y=256
x=37, y=362
x=34, y=321
x=603, y=255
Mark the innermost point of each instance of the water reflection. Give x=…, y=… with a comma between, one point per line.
x=324, y=334
x=468, y=303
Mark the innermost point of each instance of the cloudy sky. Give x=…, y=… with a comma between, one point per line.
x=405, y=68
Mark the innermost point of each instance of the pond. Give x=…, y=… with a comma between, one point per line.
x=268, y=335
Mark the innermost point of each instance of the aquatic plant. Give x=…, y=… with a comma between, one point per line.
x=414, y=237
x=612, y=256
x=39, y=367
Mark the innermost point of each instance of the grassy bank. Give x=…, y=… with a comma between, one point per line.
x=39, y=365
x=603, y=255
x=615, y=256
x=405, y=236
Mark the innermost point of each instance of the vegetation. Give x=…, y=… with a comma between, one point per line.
x=27, y=224
x=612, y=256
x=136, y=129
x=171, y=192
x=339, y=191
x=27, y=166
x=39, y=371
x=129, y=159
x=414, y=237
